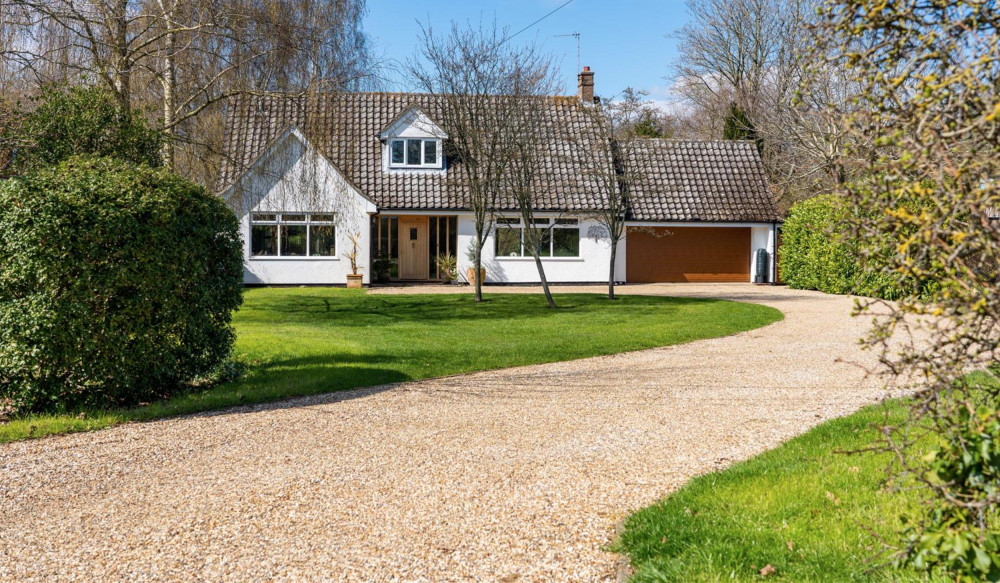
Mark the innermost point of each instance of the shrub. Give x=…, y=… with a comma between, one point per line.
x=80, y=121
x=961, y=532
x=816, y=250
x=117, y=285
x=820, y=251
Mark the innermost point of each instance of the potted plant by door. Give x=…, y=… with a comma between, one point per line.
x=470, y=272
x=382, y=267
x=354, y=278
x=447, y=265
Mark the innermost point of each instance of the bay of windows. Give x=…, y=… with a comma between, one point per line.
x=414, y=153
x=555, y=237
x=293, y=235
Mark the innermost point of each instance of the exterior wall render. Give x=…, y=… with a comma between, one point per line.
x=761, y=238
x=590, y=267
x=293, y=179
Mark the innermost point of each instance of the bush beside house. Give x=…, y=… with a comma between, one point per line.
x=819, y=251
x=117, y=287
x=816, y=252
x=72, y=121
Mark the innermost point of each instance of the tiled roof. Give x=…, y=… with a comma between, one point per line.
x=689, y=180
x=681, y=180
x=345, y=128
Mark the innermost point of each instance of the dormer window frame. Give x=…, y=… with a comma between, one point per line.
x=409, y=135
x=425, y=143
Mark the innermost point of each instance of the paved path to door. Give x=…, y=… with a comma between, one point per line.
x=513, y=475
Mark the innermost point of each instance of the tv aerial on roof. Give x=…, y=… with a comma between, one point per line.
x=577, y=36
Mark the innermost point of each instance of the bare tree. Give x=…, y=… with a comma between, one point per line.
x=182, y=61
x=727, y=50
x=482, y=82
x=611, y=161
x=753, y=64
x=530, y=144
x=801, y=114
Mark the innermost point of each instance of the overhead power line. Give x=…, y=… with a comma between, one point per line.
x=556, y=9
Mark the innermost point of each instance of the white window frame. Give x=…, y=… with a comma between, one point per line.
x=539, y=223
x=423, y=146
x=279, y=221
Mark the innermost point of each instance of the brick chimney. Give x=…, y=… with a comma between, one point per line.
x=585, y=84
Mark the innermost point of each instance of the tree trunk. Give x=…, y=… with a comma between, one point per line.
x=541, y=277
x=122, y=74
x=611, y=273
x=479, y=268
x=169, y=81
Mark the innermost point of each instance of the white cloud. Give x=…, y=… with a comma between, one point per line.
x=671, y=107
x=665, y=99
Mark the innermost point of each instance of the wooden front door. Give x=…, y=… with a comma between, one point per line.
x=413, y=261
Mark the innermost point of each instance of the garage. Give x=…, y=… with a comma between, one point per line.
x=687, y=254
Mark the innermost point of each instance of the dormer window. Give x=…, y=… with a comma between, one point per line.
x=414, y=153
x=412, y=142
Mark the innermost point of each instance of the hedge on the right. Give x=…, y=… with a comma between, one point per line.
x=819, y=251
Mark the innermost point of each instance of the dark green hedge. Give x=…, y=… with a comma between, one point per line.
x=117, y=285
x=816, y=249
x=819, y=251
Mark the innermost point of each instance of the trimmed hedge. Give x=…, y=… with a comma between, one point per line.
x=819, y=251
x=117, y=285
x=816, y=249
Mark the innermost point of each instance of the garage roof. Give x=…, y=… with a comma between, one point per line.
x=692, y=180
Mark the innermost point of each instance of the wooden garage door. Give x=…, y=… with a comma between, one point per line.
x=672, y=254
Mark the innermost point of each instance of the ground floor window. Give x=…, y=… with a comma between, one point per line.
x=555, y=237
x=293, y=235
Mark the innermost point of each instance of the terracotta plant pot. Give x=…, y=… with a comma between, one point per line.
x=470, y=274
x=354, y=280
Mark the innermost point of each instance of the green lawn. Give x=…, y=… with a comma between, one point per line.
x=303, y=341
x=805, y=508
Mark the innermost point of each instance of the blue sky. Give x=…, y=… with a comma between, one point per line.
x=624, y=42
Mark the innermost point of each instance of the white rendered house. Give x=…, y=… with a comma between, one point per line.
x=308, y=175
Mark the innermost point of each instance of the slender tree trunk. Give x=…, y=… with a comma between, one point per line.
x=611, y=272
x=169, y=81
x=122, y=74
x=541, y=277
x=479, y=268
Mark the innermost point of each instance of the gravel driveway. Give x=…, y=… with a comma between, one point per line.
x=513, y=475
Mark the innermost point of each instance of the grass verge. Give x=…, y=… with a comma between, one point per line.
x=807, y=509
x=304, y=341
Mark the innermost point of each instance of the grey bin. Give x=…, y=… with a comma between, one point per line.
x=761, y=257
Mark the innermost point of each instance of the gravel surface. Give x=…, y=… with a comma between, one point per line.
x=513, y=475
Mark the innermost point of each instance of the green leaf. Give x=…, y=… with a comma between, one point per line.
x=983, y=561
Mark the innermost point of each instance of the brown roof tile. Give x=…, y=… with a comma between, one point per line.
x=682, y=180
x=691, y=180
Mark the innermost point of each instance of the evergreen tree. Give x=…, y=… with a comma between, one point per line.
x=739, y=127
